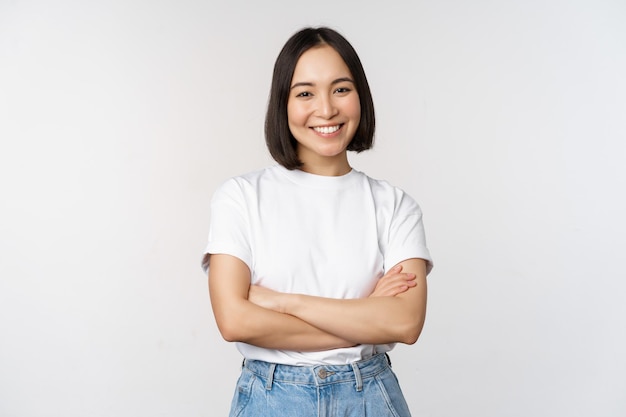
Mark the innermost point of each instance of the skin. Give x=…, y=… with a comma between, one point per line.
x=245, y=313
x=397, y=316
x=323, y=113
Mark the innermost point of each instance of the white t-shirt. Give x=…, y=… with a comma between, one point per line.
x=317, y=235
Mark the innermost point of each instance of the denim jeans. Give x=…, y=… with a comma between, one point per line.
x=364, y=388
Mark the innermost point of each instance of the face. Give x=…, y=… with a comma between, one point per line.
x=323, y=108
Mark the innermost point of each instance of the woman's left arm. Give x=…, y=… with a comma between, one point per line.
x=372, y=320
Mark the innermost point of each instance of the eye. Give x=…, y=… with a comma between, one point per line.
x=304, y=94
x=343, y=90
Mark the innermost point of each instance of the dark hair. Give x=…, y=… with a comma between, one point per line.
x=280, y=142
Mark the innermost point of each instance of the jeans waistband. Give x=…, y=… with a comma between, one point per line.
x=319, y=374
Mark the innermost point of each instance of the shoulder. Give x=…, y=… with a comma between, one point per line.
x=390, y=195
x=239, y=186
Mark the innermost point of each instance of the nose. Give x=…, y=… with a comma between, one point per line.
x=326, y=107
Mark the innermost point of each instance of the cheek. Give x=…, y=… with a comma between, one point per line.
x=354, y=109
x=295, y=115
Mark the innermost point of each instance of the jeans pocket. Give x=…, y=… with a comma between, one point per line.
x=242, y=393
x=392, y=394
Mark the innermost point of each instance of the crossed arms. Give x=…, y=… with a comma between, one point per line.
x=394, y=312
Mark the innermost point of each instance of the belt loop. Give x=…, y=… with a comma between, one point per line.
x=357, y=375
x=270, y=377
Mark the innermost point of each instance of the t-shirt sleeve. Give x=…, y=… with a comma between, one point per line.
x=406, y=238
x=229, y=231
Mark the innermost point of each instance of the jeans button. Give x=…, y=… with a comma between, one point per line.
x=322, y=373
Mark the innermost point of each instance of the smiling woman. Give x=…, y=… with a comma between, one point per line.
x=280, y=139
x=316, y=269
x=323, y=111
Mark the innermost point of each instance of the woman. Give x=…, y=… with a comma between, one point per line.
x=317, y=270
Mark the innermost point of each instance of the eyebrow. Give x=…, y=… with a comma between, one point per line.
x=310, y=84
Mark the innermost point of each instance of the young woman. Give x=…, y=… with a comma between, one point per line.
x=317, y=270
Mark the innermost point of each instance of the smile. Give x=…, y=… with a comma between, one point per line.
x=327, y=129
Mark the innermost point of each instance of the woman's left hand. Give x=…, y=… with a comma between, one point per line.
x=394, y=282
x=266, y=298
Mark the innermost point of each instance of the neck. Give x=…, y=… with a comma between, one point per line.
x=334, y=167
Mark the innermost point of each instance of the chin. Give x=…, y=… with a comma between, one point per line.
x=331, y=153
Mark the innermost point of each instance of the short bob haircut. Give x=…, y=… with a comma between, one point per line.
x=280, y=142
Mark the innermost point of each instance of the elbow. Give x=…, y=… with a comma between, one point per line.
x=231, y=322
x=410, y=332
x=228, y=334
x=230, y=330
x=411, y=336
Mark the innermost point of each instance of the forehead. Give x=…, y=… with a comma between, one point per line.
x=320, y=63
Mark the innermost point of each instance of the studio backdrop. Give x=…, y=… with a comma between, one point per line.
x=505, y=120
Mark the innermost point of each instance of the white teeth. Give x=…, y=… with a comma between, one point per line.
x=327, y=129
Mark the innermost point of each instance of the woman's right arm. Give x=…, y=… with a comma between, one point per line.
x=242, y=321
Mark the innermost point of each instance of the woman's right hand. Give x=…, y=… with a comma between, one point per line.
x=394, y=282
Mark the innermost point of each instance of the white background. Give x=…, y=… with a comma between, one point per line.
x=506, y=120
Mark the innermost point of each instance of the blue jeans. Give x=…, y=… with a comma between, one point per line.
x=365, y=388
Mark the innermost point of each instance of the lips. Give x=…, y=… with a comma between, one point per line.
x=327, y=129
